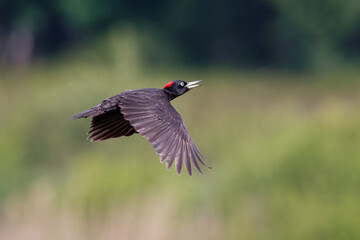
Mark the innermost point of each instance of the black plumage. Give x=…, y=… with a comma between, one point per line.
x=148, y=112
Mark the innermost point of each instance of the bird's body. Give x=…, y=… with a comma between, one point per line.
x=147, y=111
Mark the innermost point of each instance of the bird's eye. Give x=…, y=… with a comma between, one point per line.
x=182, y=84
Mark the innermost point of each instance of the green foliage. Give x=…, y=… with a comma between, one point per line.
x=297, y=35
x=314, y=34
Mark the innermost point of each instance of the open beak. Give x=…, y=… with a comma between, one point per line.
x=193, y=84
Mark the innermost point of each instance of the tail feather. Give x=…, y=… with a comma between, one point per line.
x=87, y=113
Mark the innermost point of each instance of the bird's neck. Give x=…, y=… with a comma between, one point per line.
x=169, y=95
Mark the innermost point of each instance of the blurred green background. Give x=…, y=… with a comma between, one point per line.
x=278, y=118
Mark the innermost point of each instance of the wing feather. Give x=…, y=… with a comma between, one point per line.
x=168, y=147
x=115, y=124
x=173, y=152
x=151, y=114
x=109, y=124
x=186, y=158
x=194, y=158
x=179, y=157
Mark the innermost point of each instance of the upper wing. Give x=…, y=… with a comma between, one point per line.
x=163, y=128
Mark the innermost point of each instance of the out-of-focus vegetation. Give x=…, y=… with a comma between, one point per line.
x=284, y=145
x=285, y=152
x=243, y=33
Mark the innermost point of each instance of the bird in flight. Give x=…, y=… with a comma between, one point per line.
x=148, y=111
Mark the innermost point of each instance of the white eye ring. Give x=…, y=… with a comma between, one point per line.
x=182, y=84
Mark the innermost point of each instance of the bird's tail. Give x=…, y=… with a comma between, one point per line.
x=84, y=114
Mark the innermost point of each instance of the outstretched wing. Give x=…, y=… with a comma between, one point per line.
x=107, y=120
x=162, y=126
x=109, y=125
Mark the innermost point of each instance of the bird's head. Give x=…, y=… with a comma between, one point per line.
x=178, y=87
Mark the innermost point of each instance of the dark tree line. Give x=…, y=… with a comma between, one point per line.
x=246, y=33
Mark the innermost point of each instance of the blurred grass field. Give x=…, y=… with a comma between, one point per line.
x=285, y=155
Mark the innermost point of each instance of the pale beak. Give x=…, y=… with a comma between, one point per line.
x=193, y=84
